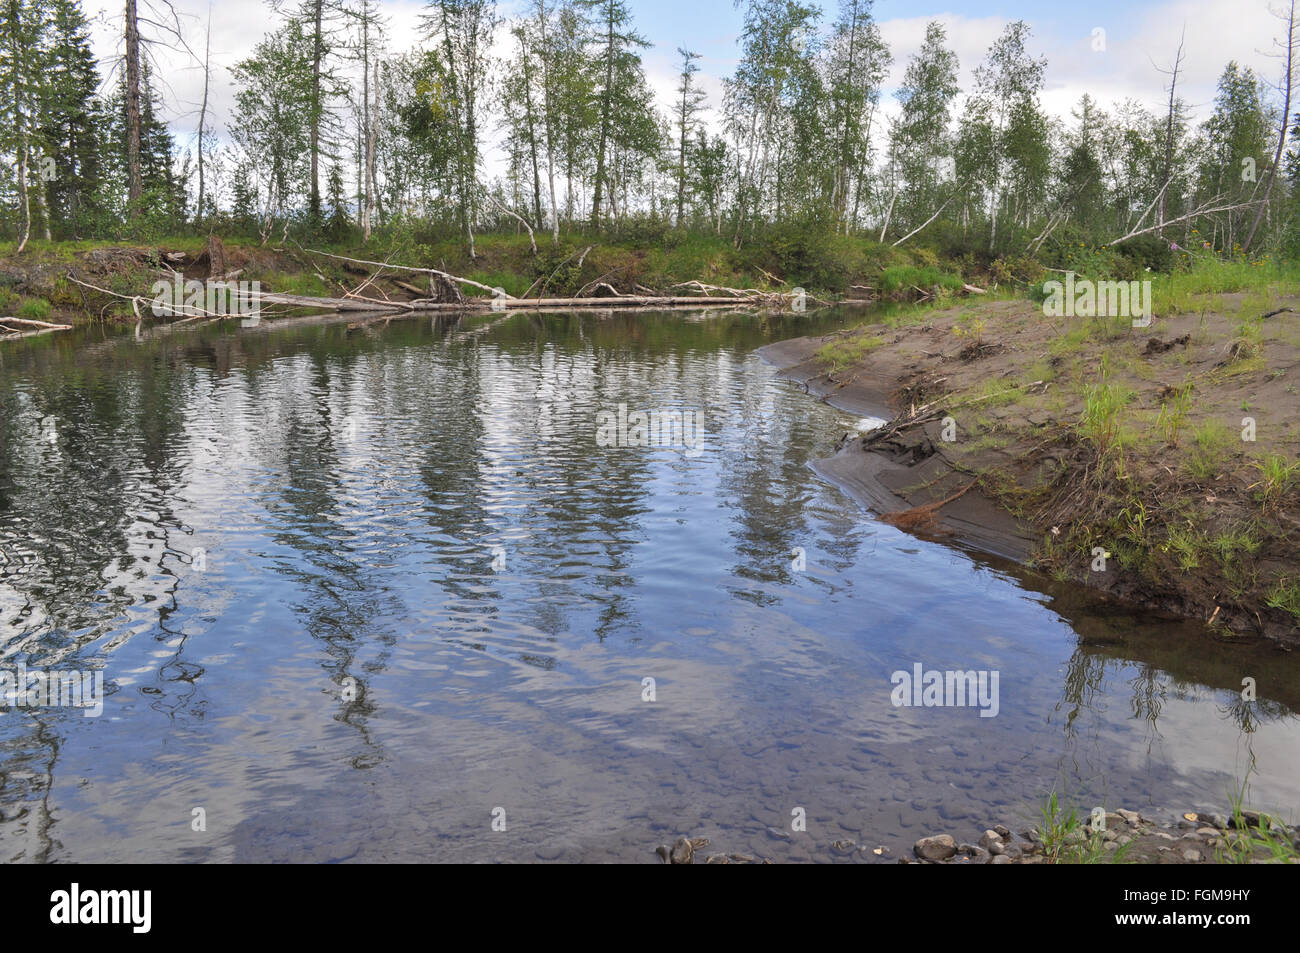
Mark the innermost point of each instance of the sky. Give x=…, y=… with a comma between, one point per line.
x=1136, y=40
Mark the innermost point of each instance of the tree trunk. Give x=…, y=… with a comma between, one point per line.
x=604, y=119
x=135, y=182
x=318, y=54
x=203, y=115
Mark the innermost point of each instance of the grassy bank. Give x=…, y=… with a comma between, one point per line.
x=1161, y=463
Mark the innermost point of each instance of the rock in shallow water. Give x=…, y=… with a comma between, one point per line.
x=938, y=847
x=682, y=852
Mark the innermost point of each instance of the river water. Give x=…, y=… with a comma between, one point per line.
x=386, y=593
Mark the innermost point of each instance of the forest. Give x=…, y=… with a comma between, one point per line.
x=545, y=123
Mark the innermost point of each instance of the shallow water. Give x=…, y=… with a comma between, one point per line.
x=358, y=593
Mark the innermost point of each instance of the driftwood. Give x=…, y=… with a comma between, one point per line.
x=189, y=310
x=748, y=295
x=8, y=333
x=924, y=517
x=31, y=323
x=498, y=304
x=333, y=304
x=423, y=271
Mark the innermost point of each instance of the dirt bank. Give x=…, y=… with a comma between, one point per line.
x=1157, y=464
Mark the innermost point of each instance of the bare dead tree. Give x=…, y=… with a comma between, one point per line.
x=1283, y=123
x=166, y=20
x=1167, y=170
x=1205, y=208
x=135, y=181
x=203, y=111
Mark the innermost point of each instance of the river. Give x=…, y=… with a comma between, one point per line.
x=384, y=592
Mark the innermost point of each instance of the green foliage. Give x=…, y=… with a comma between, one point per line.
x=37, y=309
x=809, y=258
x=1148, y=253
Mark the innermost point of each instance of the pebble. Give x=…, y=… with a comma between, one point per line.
x=1194, y=834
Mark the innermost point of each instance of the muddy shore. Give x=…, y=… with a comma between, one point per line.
x=983, y=448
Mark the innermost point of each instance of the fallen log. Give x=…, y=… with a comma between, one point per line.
x=333, y=304
x=15, y=335
x=425, y=271
x=31, y=323
x=500, y=304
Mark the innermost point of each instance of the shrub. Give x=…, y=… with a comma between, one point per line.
x=36, y=309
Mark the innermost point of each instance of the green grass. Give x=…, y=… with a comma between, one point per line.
x=1285, y=596
x=1065, y=840
x=1277, y=477
x=1186, y=545
x=847, y=351
x=302, y=283
x=899, y=278
x=1255, y=843
x=36, y=309
x=1103, y=403
x=513, y=283
x=1185, y=291
x=1173, y=412
x=1205, y=457
x=1229, y=544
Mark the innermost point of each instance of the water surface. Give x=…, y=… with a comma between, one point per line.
x=356, y=591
